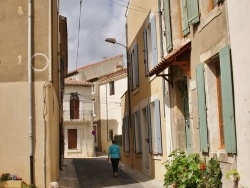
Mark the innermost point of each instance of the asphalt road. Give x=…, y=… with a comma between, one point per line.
x=97, y=173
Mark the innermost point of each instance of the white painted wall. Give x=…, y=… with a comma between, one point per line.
x=114, y=109
x=239, y=30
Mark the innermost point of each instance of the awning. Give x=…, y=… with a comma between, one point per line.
x=179, y=57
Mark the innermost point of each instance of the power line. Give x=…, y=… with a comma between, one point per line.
x=130, y=8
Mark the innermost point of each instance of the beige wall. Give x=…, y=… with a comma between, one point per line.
x=14, y=108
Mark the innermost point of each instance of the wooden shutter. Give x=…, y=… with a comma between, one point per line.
x=202, y=109
x=127, y=147
x=227, y=100
x=148, y=114
x=167, y=14
x=154, y=41
x=74, y=108
x=158, y=126
x=136, y=65
x=72, y=138
x=185, y=26
x=193, y=11
x=145, y=51
x=138, y=119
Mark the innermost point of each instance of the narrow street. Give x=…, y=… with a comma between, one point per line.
x=97, y=173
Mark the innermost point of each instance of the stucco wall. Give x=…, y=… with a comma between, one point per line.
x=239, y=30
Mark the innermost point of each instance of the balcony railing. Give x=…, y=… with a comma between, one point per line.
x=83, y=116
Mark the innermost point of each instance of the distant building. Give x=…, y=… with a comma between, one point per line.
x=91, y=93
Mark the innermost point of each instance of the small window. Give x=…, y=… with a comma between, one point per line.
x=93, y=88
x=93, y=107
x=111, y=134
x=111, y=88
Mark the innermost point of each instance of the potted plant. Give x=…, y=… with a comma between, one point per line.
x=233, y=174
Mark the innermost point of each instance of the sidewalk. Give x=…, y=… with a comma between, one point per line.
x=68, y=177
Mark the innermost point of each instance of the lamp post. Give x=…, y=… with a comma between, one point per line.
x=113, y=41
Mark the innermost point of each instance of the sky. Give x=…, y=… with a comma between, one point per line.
x=100, y=19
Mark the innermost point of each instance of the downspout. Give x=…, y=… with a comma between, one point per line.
x=30, y=94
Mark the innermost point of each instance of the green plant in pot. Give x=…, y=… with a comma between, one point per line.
x=233, y=174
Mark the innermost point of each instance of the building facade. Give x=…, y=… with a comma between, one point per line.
x=30, y=91
x=87, y=103
x=188, y=47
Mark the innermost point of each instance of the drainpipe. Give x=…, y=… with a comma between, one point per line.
x=30, y=94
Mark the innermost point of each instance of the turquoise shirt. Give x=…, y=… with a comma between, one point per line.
x=114, y=151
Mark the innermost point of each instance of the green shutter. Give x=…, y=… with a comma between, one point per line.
x=227, y=100
x=202, y=111
x=169, y=42
x=185, y=26
x=193, y=11
x=158, y=126
x=148, y=114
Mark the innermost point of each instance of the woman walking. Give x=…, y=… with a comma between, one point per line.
x=115, y=155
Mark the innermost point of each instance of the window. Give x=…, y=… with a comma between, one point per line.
x=134, y=67
x=111, y=136
x=111, y=88
x=93, y=107
x=215, y=92
x=137, y=132
x=153, y=117
x=190, y=14
x=93, y=88
x=168, y=31
x=150, y=46
x=72, y=138
x=74, y=106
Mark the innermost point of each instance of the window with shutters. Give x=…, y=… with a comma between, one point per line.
x=216, y=105
x=134, y=68
x=74, y=106
x=155, y=127
x=190, y=14
x=150, y=45
x=168, y=31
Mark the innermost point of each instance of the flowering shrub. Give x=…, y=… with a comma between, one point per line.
x=189, y=171
x=25, y=185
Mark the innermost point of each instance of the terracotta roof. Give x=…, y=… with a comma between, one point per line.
x=91, y=65
x=114, y=75
x=171, y=58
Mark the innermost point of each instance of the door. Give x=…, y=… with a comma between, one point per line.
x=72, y=138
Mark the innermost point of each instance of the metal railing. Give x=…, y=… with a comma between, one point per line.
x=83, y=116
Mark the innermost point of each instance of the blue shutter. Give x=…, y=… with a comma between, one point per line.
x=136, y=65
x=148, y=114
x=145, y=51
x=193, y=11
x=169, y=42
x=202, y=110
x=185, y=26
x=227, y=100
x=154, y=41
x=158, y=126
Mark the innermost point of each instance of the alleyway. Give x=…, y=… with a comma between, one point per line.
x=97, y=173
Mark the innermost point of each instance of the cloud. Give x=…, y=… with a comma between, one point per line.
x=99, y=19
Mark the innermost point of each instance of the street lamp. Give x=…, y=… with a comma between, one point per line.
x=113, y=41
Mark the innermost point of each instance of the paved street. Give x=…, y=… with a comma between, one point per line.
x=97, y=173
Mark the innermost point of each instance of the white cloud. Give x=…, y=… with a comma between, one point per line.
x=99, y=19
